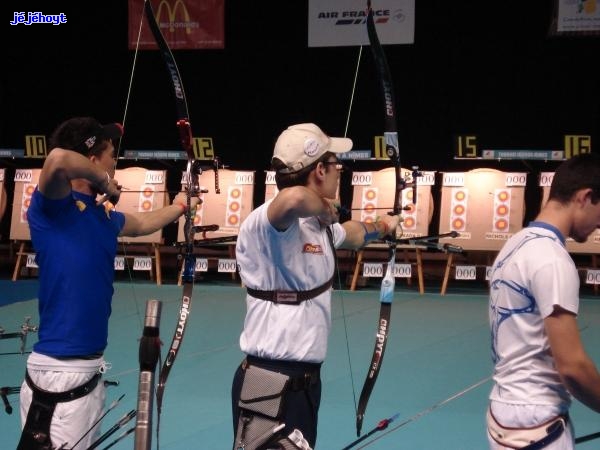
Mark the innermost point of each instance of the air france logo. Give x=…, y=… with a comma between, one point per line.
x=358, y=17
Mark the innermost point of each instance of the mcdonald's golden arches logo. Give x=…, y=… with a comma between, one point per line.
x=171, y=10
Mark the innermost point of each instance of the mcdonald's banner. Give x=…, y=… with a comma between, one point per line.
x=185, y=24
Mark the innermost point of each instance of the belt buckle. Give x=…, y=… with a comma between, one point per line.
x=302, y=382
x=286, y=297
x=307, y=380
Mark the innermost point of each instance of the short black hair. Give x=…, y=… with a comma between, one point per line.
x=84, y=135
x=579, y=172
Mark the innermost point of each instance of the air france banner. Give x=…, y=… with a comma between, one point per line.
x=341, y=23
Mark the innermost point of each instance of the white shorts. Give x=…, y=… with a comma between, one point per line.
x=527, y=416
x=71, y=420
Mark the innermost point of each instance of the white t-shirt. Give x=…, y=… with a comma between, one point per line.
x=532, y=273
x=297, y=259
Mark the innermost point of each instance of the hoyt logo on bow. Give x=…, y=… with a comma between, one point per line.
x=379, y=346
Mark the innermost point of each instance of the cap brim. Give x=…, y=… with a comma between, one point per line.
x=340, y=145
x=112, y=130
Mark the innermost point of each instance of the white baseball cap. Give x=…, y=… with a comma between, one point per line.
x=301, y=145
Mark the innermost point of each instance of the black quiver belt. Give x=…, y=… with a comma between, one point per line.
x=36, y=431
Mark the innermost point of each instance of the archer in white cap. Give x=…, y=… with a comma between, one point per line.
x=286, y=258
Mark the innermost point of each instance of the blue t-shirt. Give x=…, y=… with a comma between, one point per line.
x=76, y=243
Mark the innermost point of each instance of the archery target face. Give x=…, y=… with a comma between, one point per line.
x=485, y=206
x=373, y=195
x=28, y=189
x=143, y=191
x=458, y=209
x=146, y=198
x=501, y=217
x=368, y=211
x=228, y=209
x=233, y=216
x=270, y=186
x=25, y=183
x=409, y=213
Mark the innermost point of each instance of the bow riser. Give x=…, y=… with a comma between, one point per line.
x=185, y=135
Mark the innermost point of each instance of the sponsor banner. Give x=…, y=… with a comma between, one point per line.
x=340, y=23
x=185, y=24
x=544, y=155
x=355, y=154
x=12, y=153
x=578, y=17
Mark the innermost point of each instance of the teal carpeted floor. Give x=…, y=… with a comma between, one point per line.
x=435, y=374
